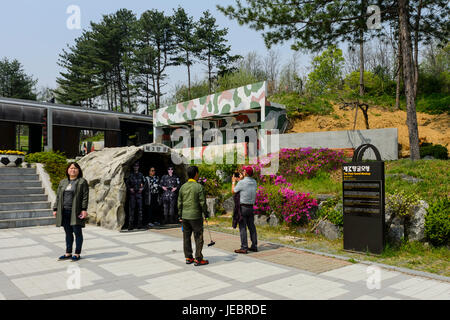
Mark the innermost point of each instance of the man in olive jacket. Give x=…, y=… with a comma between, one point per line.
x=192, y=208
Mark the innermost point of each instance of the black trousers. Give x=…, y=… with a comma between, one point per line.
x=169, y=209
x=196, y=227
x=135, y=201
x=153, y=210
x=247, y=221
x=70, y=230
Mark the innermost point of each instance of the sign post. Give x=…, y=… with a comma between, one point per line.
x=363, y=202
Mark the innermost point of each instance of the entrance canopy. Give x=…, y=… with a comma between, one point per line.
x=86, y=121
x=21, y=114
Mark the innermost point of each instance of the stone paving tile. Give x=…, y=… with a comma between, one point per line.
x=16, y=242
x=23, y=252
x=37, y=264
x=423, y=289
x=244, y=271
x=150, y=265
x=359, y=272
x=52, y=282
x=139, y=268
x=240, y=295
x=303, y=286
x=182, y=285
x=273, y=253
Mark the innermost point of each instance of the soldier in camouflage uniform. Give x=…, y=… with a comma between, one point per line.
x=151, y=197
x=170, y=184
x=135, y=185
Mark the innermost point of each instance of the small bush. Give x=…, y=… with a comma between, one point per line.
x=333, y=214
x=55, y=164
x=401, y=203
x=437, y=222
x=437, y=151
x=210, y=185
x=46, y=157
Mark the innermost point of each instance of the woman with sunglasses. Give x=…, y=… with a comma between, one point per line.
x=151, y=195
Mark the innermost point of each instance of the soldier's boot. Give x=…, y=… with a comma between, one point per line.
x=130, y=223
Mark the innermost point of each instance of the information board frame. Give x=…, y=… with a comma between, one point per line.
x=363, y=202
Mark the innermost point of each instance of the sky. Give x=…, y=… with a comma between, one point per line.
x=35, y=31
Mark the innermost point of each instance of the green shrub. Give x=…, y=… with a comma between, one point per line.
x=435, y=103
x=299, y=106
x=401, y=203
x=55, y=164
x=333, y=214
x=437, y=222
x=45, y=157
x=437, y=151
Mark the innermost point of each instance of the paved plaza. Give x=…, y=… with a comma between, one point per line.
x=150, y=265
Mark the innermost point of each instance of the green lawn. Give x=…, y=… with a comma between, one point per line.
x=434, y=175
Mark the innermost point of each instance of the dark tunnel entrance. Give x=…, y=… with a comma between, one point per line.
x=160, y=161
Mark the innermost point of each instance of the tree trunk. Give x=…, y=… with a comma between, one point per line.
x=209, y=73
x=361, y=65
x=408, y=74
x=119, y=82
x=399, y=77
x=416, y=48
x=189, y=75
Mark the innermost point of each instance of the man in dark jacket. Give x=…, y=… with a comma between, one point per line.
x=170, y=184
x=192, y=208
x=135, y=185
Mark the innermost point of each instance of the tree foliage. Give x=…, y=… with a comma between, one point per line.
x=14, y=82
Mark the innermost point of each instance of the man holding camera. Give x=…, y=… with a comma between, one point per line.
x=246, y=185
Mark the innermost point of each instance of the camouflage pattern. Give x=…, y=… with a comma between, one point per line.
x=246, y=106
x=248, y=97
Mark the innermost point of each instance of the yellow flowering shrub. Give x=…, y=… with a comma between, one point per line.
x=12, y=152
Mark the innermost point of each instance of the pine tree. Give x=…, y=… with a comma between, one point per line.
x=14, y=82
x=185, y=37
x=213, y=48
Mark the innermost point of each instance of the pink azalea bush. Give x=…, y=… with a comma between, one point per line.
x=288, y=205
x=298, y=163
x=274, y=193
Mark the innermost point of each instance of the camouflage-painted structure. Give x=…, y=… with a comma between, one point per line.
x=244, y=107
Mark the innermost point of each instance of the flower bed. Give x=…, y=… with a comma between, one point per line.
x=275, y=194
x=11, y=158
x=288, y=205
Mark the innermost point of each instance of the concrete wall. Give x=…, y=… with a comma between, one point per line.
x=386, y=141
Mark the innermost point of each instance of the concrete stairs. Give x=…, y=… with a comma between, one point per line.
x=23, y=202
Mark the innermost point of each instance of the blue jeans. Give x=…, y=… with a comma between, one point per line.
x=70, y=230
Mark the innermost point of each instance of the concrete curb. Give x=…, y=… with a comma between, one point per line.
x=381, y=265
x=46, y=183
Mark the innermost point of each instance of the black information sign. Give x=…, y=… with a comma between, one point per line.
x=363, y=202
